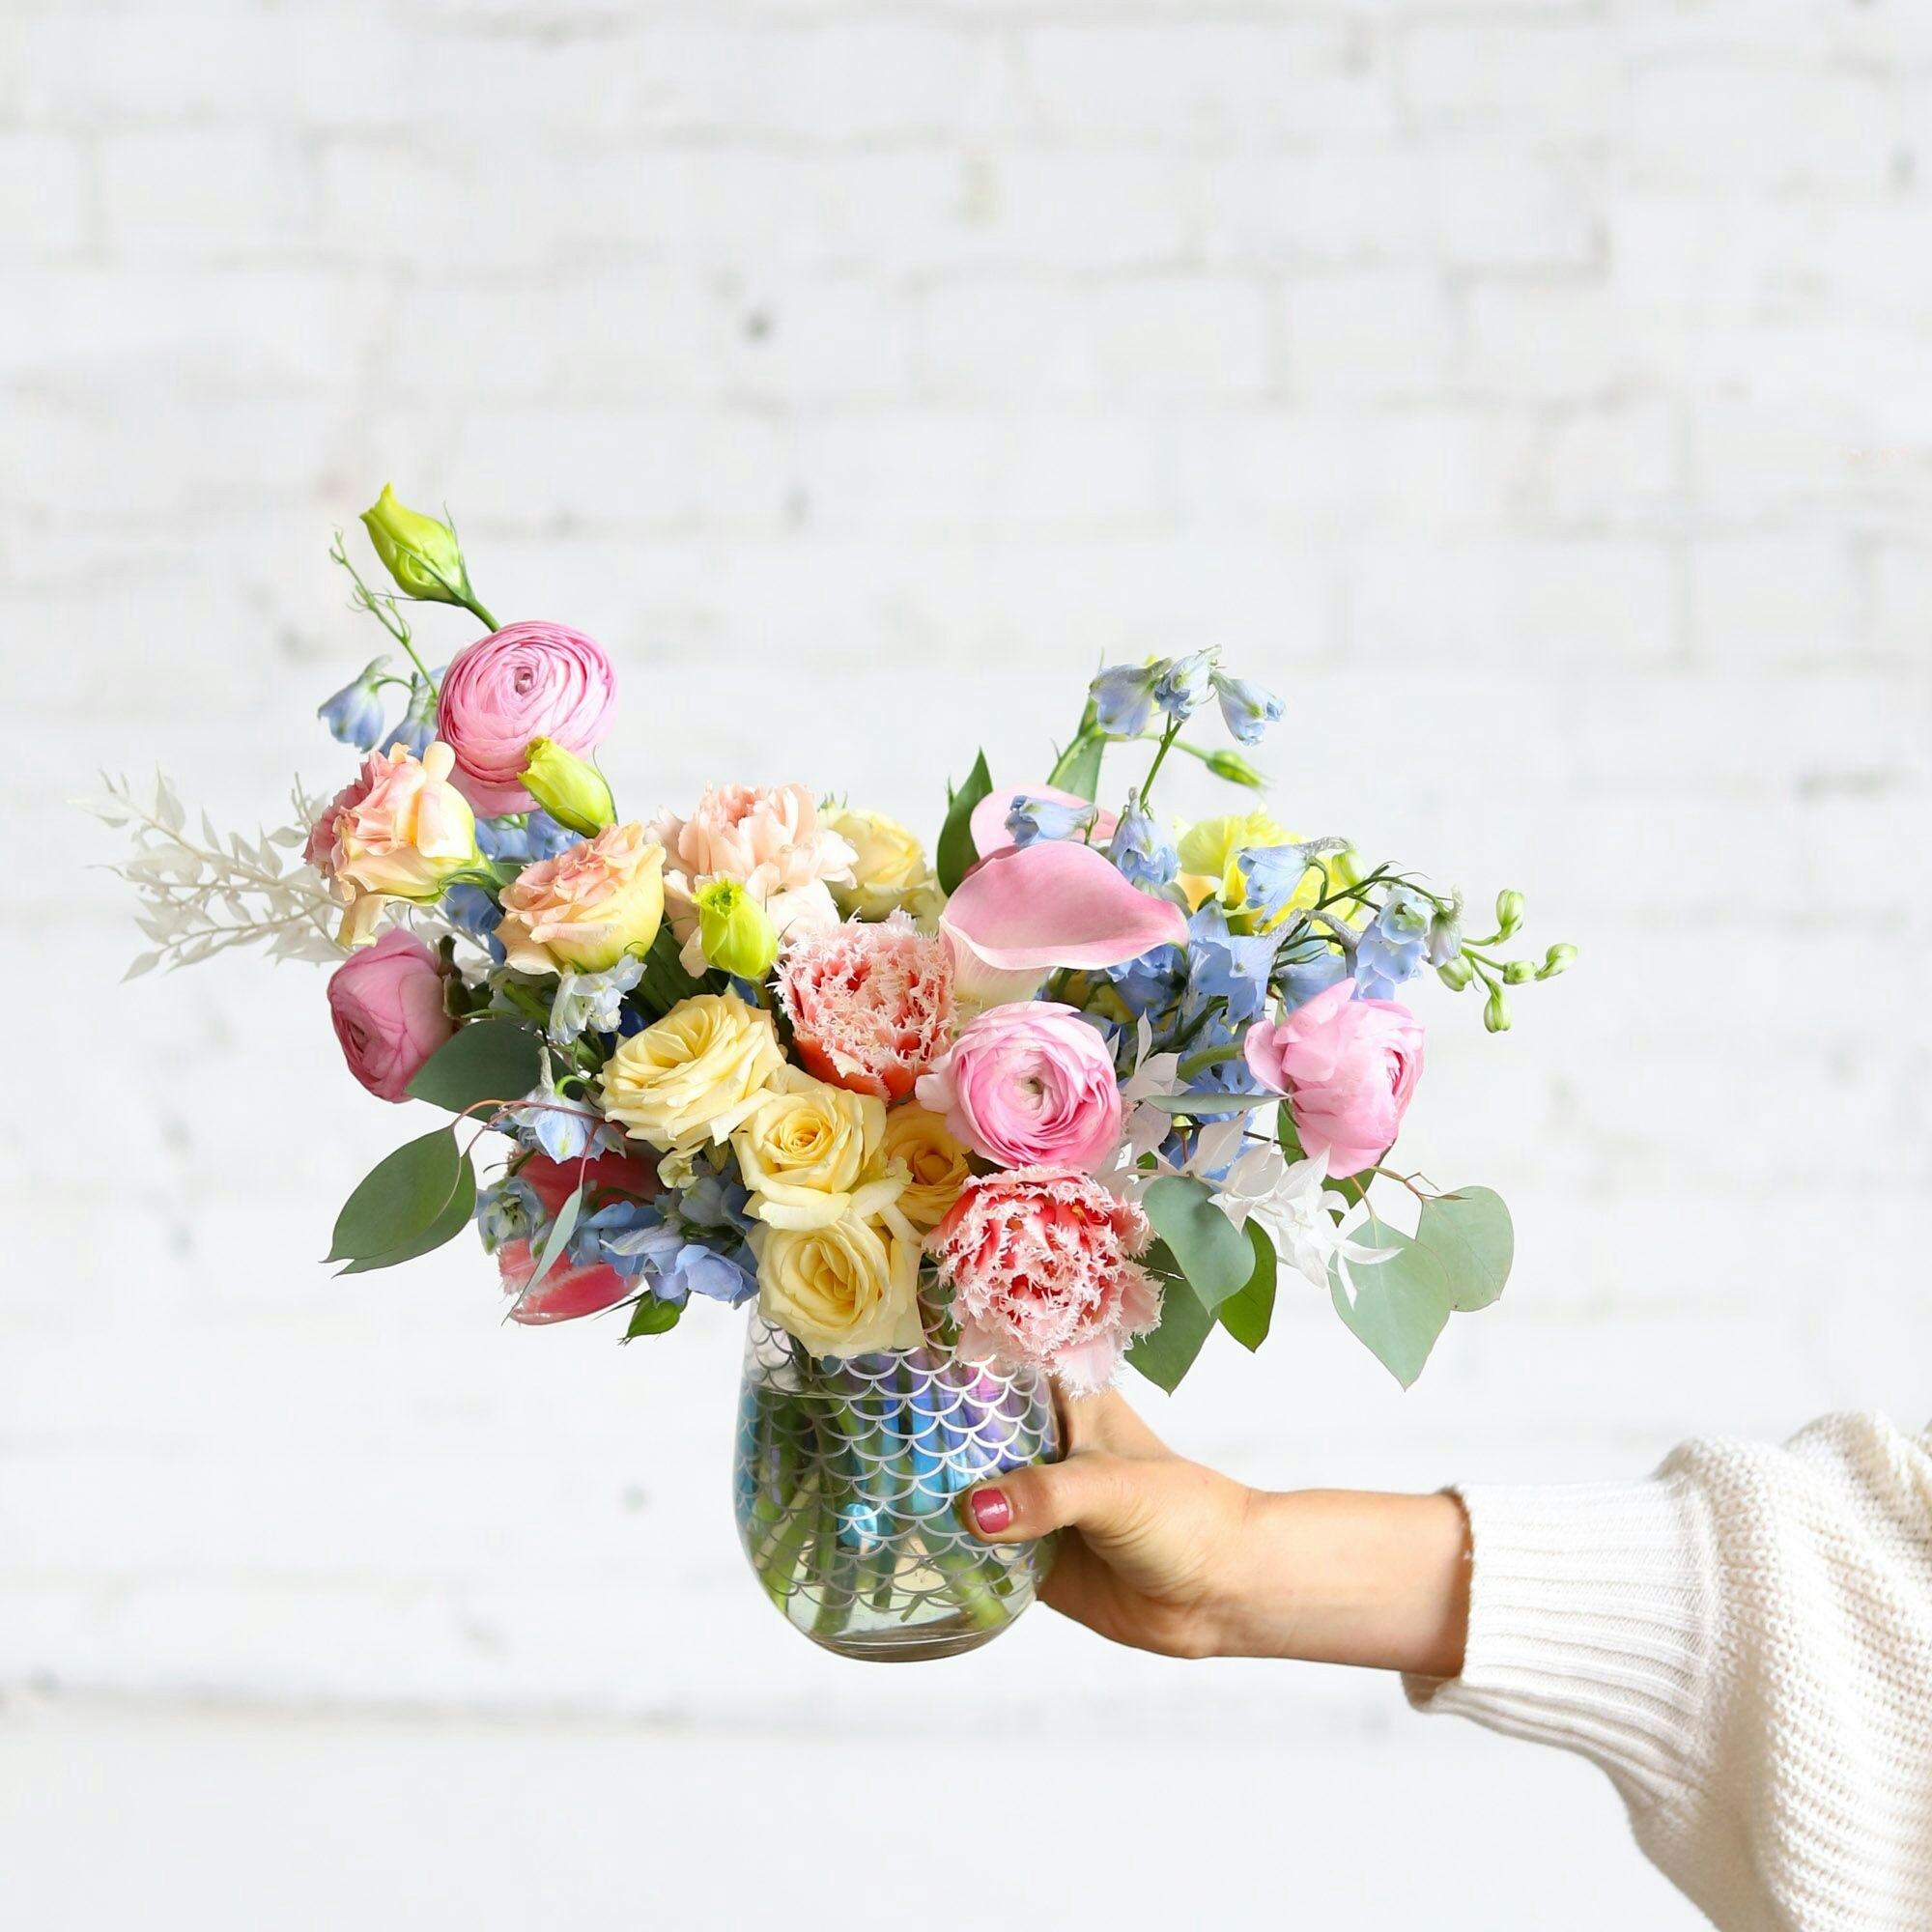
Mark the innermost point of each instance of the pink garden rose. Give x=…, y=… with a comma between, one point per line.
x=400, y=831
x=1029, y=1084
x=524, y=682
x=387, y=1003
x=1040, y=1262
x=1349, y=1067
x=569, y=1290
x=769, y=839
x=871, y=1006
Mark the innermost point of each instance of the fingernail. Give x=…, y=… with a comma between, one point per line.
x=991, y=1510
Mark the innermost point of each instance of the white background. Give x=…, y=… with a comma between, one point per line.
x=1537, y=393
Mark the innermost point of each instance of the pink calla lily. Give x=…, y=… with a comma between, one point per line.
x=989, y=816
x=1026, y=910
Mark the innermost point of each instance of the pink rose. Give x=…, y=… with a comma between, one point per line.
x=1041, y=1272
x=387, y=1003
x=1349, y=1067
x=1029, y=1084
x=871, y=1006
x=523, y=682
x=769, y=839
x=571, y=1289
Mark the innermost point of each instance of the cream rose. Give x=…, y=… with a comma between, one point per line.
x=696, y=1074
x=890, y=873
x=935, y=1163
x=845, y=1289
x=804, y=1148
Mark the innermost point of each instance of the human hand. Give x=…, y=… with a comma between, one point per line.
x=1168, y=1556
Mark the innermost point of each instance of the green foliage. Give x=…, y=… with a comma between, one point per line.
x=651, y=1317
x=1247, y=1313
x=495, y=1057
x=410, y=1202
x=1167, y=1354
x=1077, y=769
x=1471, y=1233
x=664, y=982
x=1207, y=1248
x=1400, y=1304
x=955, y=854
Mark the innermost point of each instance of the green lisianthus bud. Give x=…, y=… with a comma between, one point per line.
x=735, y=930
x=1519, y=972
x=1558, y=959
x=1235, y=767
x=1496, y=1012
x=420, y=553
x=1456, y=974
x=573, y=792
x=1509, y=907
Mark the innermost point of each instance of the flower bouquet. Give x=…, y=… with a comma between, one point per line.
x=1079, y=1090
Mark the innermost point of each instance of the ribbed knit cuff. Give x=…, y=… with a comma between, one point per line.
x=1588, y=1624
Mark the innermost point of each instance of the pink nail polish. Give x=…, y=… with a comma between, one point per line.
x=991, y=1510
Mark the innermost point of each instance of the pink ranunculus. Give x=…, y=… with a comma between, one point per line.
x=769, y=839
x=1042, y=1271
x=524, y=682
x=1026, y=910
x=569, y=1290
x=387, y=1003
x=1030, y=1085
x=1349, y=1067
x=989, y=816
x=871, y=1006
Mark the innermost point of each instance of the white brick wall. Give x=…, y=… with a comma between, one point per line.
x=1538, y=392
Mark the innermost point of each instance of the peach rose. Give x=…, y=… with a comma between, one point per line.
x=584, y=910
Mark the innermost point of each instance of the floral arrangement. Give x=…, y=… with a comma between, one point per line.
x=1078, y=1090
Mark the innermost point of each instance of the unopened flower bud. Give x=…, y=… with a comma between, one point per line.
x=1445, y=934
x=1496, y=1012
x=1456, y=974
x=420, y=553
x=573, y=791
x=1235, y=769
x=1508, y=913
x=735, y=930
x=1519, y=972
x=1558, y=959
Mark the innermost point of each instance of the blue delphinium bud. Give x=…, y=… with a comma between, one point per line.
x=1141, y=855
x=354, y=713
x=1122, y=697
x=1246, y=708
x=417, y=730
x=1036, y=818
x=1181, y=688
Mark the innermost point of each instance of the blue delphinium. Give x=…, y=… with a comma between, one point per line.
x=1181, y=688
x=1141, y=853
x=417, y=728
x=1271, y=875
x=354, y=713
x=1122, y=697
x=1393, y=945
x=471, y=910
x=1301, y=978
x=592, y=1001
x=1227, y=977
x=538, y=837
x=1247, y=709
x=1036, y=818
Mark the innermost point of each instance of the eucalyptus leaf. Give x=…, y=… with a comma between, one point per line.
x=957, y=853
x=652, y=1316
x=1208, y=1249
x=1471, y=1233
x=555, y=1243
x=1247, y=1314
x=447, y=1226
x=399, y=1199
x=1166, y=1356
x=495, y=1057
x=1400, y=1304
x=1196, y=1105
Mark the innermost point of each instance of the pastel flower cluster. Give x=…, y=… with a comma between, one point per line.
x=1027, y=1095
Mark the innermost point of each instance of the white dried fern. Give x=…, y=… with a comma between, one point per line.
x=198, y=899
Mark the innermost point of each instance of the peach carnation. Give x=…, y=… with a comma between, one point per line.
x=1040, y=1262
x=871, y=1006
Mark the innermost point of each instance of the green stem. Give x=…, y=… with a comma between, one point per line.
x=1172, y=732
x=1209, y=1056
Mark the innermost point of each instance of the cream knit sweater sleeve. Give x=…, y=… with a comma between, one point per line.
x=1744, y=1643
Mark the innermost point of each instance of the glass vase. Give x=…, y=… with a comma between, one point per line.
x=846, y=1482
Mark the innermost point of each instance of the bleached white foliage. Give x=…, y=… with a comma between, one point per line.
x=200, y=897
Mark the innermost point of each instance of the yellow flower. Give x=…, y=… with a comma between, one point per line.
x=890, y=873
x=844, y=1289
x=696, y=1074
x=935, y=1163
x=804, y=1149
x=1209, y=852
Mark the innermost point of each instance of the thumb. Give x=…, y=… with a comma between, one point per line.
x=1089, y=1492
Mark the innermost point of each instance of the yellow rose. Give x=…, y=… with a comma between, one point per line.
x=696, y=1074
x=804, y=1148
x=845, y=1289
x=587, y=907
x=890, y=873
x=935, y=1163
